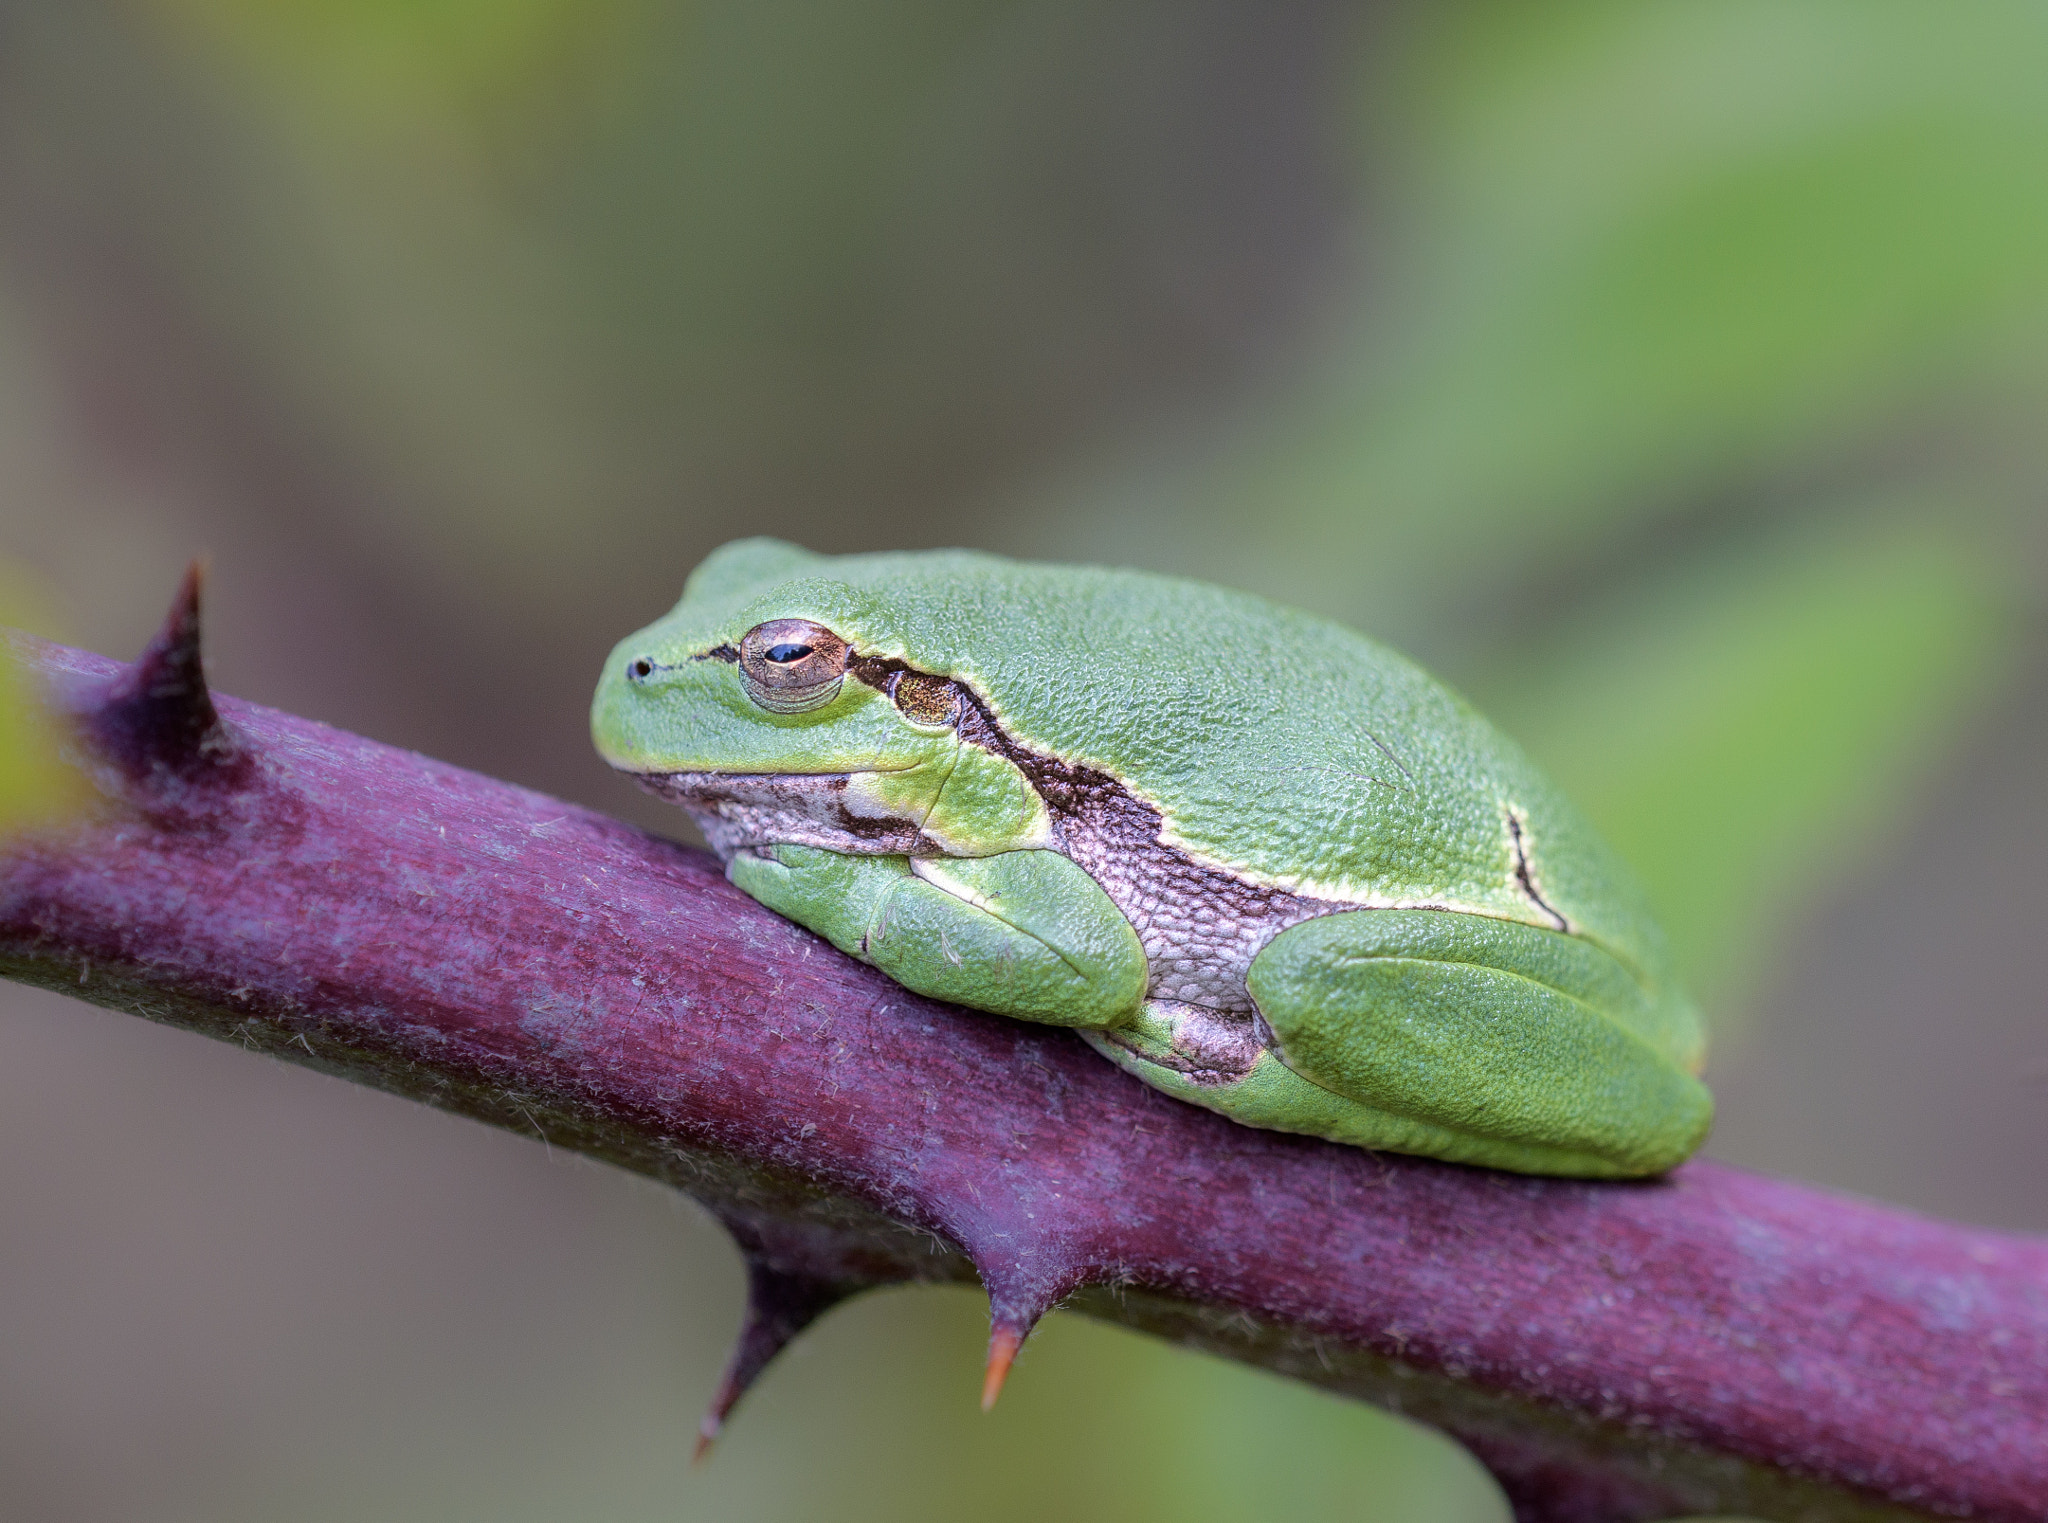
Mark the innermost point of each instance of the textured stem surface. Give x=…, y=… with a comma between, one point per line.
x=1712, y=1342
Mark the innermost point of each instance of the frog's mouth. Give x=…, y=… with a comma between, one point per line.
x=740, y=810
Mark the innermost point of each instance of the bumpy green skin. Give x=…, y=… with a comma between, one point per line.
x=1412, y=940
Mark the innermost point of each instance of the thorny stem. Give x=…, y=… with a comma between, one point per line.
x=1715, y=1342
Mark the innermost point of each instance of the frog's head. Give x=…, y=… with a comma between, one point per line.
x=776, y=703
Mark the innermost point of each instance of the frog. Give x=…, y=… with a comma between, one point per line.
x=1260, y=861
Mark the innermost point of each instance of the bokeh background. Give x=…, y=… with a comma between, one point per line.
x=1673, y=379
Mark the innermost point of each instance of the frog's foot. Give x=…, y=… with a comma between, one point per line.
x=1224, y=1061
x=1021, y=933
x=1206, y=1047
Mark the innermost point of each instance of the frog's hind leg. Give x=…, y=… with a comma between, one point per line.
x=1019, y=933
x=1494, y=1042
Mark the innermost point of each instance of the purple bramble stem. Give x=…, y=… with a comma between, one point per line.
x=1712, y=1342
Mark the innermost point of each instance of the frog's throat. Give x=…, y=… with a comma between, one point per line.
x=741, y=810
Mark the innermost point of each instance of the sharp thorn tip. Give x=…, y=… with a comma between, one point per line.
x=1003, y=1344
x=780, y=1304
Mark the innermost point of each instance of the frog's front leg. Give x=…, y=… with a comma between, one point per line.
x=1021, y=933
x=1520, y=1047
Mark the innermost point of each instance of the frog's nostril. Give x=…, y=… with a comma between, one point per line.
x=639, y=669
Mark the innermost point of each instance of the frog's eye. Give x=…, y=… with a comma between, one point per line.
x=790, y=665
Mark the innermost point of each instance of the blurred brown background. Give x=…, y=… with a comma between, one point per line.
x=1670, y=378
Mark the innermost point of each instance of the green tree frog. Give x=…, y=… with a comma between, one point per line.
x=1263, y=863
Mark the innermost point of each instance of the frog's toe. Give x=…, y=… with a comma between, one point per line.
x=1207, y=1048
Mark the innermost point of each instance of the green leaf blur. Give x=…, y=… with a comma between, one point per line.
x=36, y=787
x=1737, y=728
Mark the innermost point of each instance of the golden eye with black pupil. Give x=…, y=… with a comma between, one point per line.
x=790, y=666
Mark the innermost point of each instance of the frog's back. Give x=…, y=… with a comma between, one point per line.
x=1276, y=745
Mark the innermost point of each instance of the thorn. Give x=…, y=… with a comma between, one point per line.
x=158, y=714
x=1003, y=1343
x=780, y=1304
x=1022, y=1288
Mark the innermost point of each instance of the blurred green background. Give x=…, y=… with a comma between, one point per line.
x=1671, y=378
